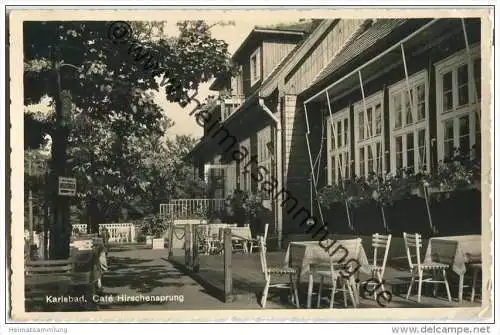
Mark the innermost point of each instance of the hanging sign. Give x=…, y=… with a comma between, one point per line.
x=67, y=186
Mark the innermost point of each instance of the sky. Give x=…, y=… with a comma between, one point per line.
x=234, y=35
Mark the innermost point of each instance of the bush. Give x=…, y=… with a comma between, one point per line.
x=155, y=225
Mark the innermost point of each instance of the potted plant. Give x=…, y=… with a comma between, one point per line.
x=390, y=188
x=156, y=226
x=238, y=207
x=352, y=193
x=147, y=232
x=202, y=213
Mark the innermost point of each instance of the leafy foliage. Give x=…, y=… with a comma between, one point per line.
x=117, y=149
x=155, y=225
x=37, y=126
x=356, y=191
x=108, y=71
x=393, y=187
x=457, y=172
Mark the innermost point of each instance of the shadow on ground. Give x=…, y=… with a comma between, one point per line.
x=136, y=274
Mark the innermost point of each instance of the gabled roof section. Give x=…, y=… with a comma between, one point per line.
x=270, y=83
x=379, y=30
x=303, y=25
x=257, y=35
x=291, y=32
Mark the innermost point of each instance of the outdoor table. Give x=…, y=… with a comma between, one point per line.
x=214, y=228
x=457, y=251
x=238, y=234
x=302, y=255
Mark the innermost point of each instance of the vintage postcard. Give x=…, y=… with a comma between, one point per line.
x=279, y=164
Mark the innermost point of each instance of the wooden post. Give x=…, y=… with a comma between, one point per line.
x=228, y=278
x=171, y=239
x=187, y=244
x=196, y=248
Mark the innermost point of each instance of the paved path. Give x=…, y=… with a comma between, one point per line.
x=146, y=272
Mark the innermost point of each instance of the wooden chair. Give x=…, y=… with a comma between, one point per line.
x=239, y=244
x=335, y=274
x=383, y=242
x=255, y=243
x=284, y=270
x=476, y=268
x=414, y=241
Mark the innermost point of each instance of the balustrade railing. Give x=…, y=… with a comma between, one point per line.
x=191, y=208
x=118, y=232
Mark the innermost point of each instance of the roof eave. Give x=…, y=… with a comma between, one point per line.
x=260, y=33
x=270, y=85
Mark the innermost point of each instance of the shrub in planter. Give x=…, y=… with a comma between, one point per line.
x=455, y=173
x=351, y=193
x=235, y=208
x=388, y=189
x=257, y=215
x=155, y=226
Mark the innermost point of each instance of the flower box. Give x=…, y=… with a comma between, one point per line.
x=158, y=243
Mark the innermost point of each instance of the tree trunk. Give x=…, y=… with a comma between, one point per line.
x=61, y=226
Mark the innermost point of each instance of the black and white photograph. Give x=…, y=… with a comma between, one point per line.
x=263, y=161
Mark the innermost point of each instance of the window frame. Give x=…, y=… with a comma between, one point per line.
x=452, y=64
x=214, y=171
x=414, y=127
x=254, y=78
x=371, y=101
x=237, y=82
x=343, y=115
x=245, y=179
x=264, y=157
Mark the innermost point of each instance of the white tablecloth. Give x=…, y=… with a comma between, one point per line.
x=238, y=233
x=302, y=254
x=456, y=251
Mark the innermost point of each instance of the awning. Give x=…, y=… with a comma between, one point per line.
x=374, y=65
x=410, y=46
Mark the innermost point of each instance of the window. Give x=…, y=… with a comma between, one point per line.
x=245, y=166
x=255, y=67
x=215, y=175
x=265, y=153
x=230, y=184
x=408, y=117
x=338, y=142
x=237, y=83
x=368, y=119
x=458, y=85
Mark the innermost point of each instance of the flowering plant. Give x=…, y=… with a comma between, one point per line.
x=354, y=191
x=155, y=225
x=456, y=175
x=253, y=205
x=391, y=187
x=201, y=212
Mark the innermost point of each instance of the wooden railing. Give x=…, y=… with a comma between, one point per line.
x=118, y=232
x=190, y=208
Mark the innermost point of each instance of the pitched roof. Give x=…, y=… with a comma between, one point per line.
x=302, y=25
x=380, y=29
x=270, y=83
x=292, y=31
